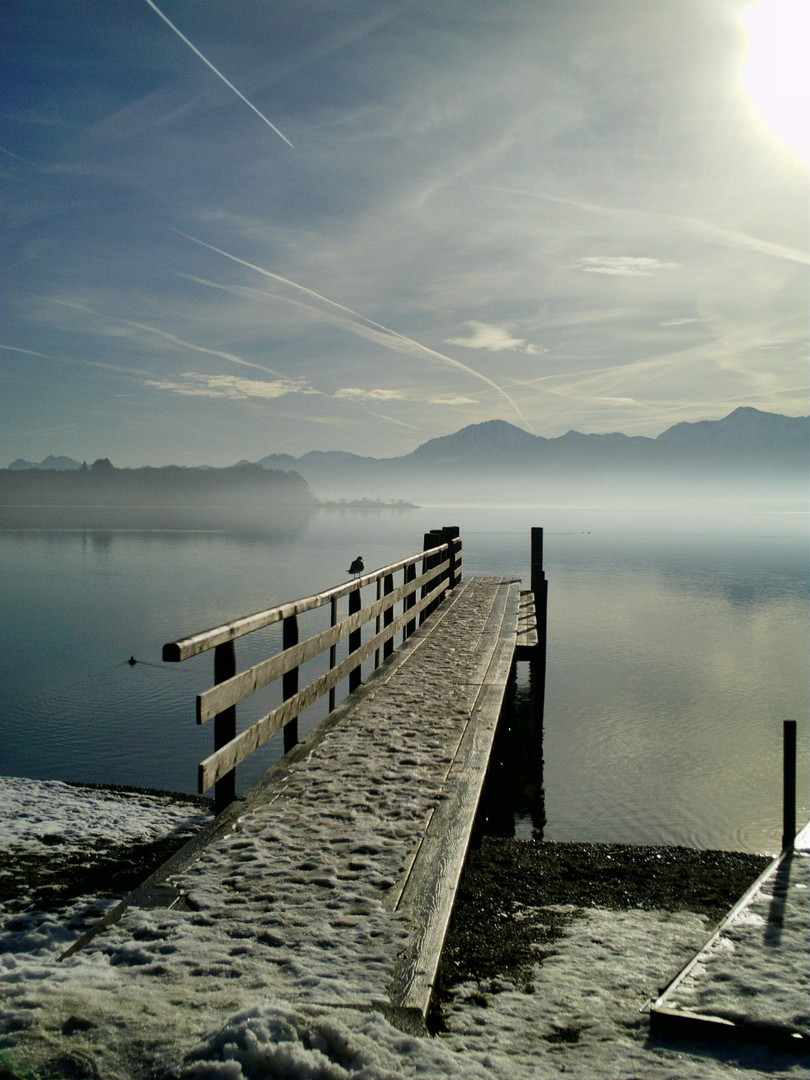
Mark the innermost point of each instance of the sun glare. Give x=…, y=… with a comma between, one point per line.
x=777, y=74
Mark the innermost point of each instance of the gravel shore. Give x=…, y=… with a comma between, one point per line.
x=517, y=896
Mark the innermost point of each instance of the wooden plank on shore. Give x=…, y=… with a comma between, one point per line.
x=427, y=895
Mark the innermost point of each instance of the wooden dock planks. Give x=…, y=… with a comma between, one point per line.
x=428, y=892
x=438, y=698
x=745, y=985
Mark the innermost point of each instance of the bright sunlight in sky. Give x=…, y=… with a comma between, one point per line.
x=777, y=74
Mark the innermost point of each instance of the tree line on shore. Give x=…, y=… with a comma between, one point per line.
x=169, y=485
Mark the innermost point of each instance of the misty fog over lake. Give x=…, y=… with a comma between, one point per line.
x=678, y=643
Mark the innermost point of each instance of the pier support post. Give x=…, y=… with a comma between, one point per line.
x=788, y=785
x=539, y=587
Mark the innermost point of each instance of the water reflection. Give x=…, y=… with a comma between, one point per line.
x=674, y=655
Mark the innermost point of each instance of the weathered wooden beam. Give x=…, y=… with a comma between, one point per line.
x=185, y=648
x=427, y=893
x=211, y=701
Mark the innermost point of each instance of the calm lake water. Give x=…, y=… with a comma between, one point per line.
x=678, y=643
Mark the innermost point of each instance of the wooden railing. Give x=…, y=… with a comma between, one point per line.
x=396, y=608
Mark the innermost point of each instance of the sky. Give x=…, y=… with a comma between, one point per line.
x=233, y=228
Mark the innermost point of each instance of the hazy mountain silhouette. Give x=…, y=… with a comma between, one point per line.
x=58, y=464
x=755, y=454
x=750, y=450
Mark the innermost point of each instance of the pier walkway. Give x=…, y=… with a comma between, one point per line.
x=331, y=882
x=751, y=981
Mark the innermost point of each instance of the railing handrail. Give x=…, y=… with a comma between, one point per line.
x=418, y=595
x=194, y=644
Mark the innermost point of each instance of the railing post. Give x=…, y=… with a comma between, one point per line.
x=788, y=784
x=289, y=681
x=333, y=612
x=432, y=539
x=224, y=724
x=449, y=534
x=377, y=625
x=409, y=601
x=355, y=637
x=388, y=615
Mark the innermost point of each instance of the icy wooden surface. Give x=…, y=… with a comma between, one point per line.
x=753, y=976
x=306, y=895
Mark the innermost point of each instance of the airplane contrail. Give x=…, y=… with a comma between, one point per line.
x=217, y=72
x=700, y=227
x=117, y=369
x=392, y=338
x=231, y=357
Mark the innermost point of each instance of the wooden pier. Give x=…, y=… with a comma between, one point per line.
x=352, y=846
x=750, y=982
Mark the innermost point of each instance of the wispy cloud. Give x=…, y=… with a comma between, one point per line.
x=118, y=369
x=195, y=384
x=365, y=327
x=456, y=399
x=355, y=393
x=392, y=420
x=624, y=265
x=216, y=71
x=155, y=331
x=494, y=339
x=697, y=226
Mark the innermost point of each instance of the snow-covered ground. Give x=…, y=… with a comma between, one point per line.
x=96, y=1014
x=756, y=968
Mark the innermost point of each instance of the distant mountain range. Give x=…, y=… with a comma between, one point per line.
x=747, y=448
x=57, y=464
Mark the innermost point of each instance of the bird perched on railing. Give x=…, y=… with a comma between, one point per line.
x=357, y=567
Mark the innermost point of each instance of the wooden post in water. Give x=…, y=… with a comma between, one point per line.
x=224, y=724
x=539, y=587
x=289, y=681
x=788, y=785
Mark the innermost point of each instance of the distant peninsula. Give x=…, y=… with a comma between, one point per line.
x=101, y=484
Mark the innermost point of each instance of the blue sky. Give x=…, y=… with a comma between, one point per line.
x=239, y=227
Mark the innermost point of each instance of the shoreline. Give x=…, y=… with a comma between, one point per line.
x=554, y=950
x=518, y=897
